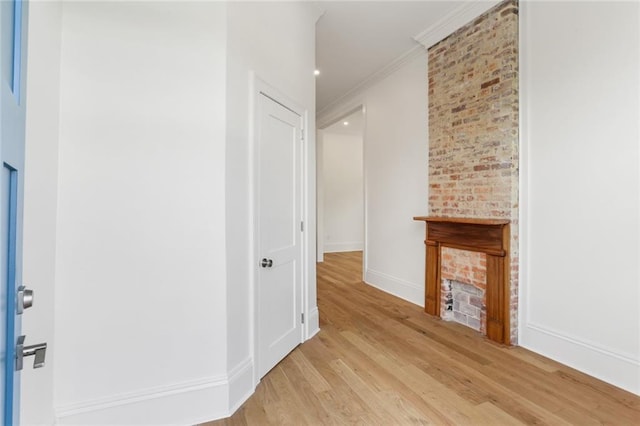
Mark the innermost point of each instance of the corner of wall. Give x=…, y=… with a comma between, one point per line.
x=190, y=402
x=618, y=369
x=313, y=323
x=241, y=385
x=400, y=288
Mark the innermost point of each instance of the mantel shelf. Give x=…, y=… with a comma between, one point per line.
x=472, y=221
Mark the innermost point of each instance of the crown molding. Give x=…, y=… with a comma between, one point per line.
x=381, y=74
x=317, y=11
x=452, y=21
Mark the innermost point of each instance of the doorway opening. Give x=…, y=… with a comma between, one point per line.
x=340, y=186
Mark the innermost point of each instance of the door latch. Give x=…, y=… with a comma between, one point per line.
x=38, y=351
x=25, y=299
x=266, y=263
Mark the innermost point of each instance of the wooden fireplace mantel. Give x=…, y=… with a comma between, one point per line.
x=489, y=236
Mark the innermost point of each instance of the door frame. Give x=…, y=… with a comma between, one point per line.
x=259, y=87
x=360, y=107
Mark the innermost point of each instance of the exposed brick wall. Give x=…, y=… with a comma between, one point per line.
x=473, y=135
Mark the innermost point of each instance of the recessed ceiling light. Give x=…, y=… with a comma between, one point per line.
x=346, y=123
x=316, y=72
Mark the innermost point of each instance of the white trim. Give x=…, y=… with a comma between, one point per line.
x=344, y=246
x=309, y=237
x=240, y=384
x=313, y=323
x=308, y=244
x=341, y=117
x=319, y=195
x=317, y=10
x=343, y=112
x=453, y=21
x=254, y=91
x=593, y=346
x=604, y=364
x=347, y=108
x=398, y=287
x=368, y=82
x=365, y=198
x=205, y=399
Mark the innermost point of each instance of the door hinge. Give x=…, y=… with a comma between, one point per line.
x=302, y=317
x=301, y=226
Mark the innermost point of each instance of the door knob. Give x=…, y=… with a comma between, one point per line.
x=38, y=351
x=25, y=299
x=266, y=263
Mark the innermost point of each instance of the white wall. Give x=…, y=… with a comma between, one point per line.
x=125, y=210
x=343, y=192
x=579, y=188
x=275, y=41
x=580, y=290
x=140, y=321
x=40, y=205
x=396, y=177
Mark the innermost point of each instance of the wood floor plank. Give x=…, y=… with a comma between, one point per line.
x=371, y=397
x=311, y=375
x=380, y=360
x=384, y=379
x=307, y=389
x=341, y=403
x=443, y=400
x=489, y=414
x=531, y=358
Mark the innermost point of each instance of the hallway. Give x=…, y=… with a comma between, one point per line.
x=379, y=360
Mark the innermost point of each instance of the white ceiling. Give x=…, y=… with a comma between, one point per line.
x=355, y=39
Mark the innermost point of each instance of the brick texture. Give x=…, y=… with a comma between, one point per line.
x=473, y=136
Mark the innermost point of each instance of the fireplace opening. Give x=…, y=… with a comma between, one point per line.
x=463, y=284
x=464, y=303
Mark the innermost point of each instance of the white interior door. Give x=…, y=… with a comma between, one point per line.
x=279, y=189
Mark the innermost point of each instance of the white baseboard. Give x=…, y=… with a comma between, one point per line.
x=406, y=290
x=313, y=323
x=190, y=402
x=345, y=246
x=241, y=385
x=607, y=365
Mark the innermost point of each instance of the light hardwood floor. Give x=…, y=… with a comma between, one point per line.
x=379, y=360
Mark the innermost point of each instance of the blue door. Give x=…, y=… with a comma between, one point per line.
x=12, y=128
